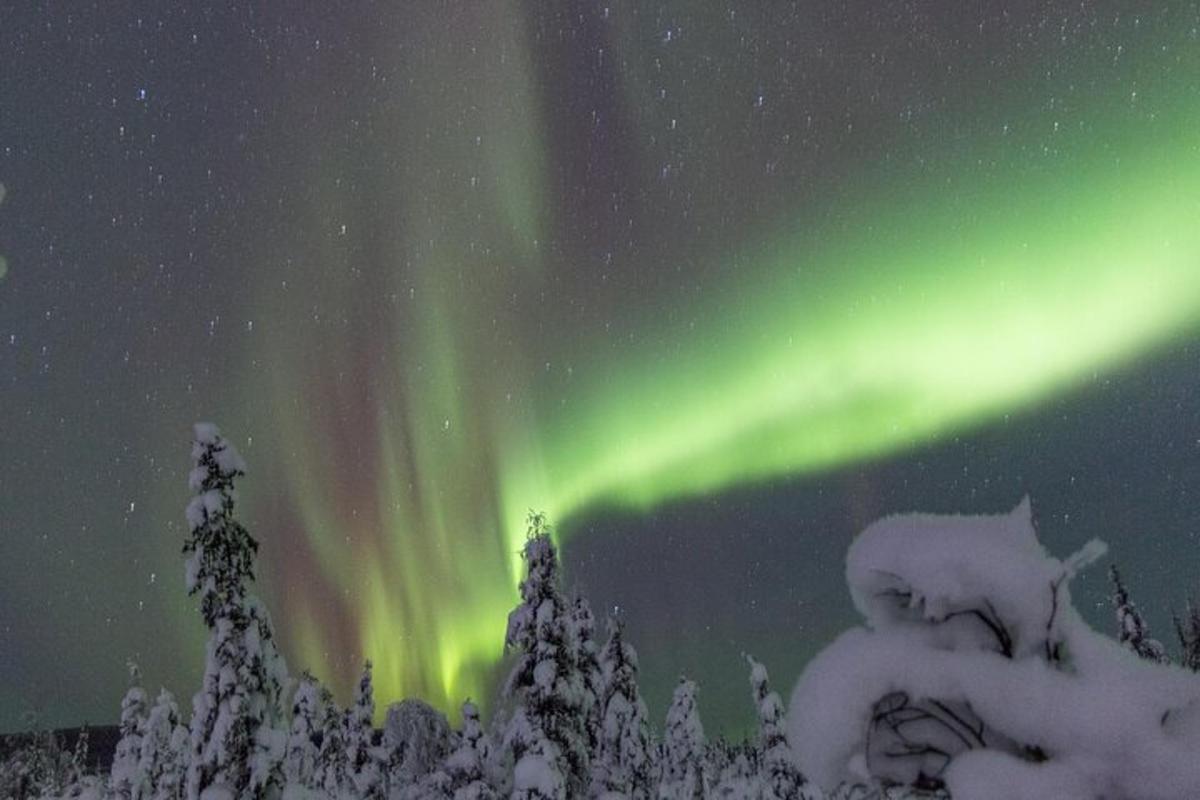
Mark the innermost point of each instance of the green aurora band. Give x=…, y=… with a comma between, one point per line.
x=922, y=306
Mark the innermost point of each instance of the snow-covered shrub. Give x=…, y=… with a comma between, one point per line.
x=1187, y=627
x=975, y=673
x=1131, y=627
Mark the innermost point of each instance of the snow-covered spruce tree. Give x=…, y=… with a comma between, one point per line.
x=468, y=765
x=308, y=717
x=586, y=654
x=547, y=734
x=238, y=732
x=362, y=760
x=780, y=778
x=79, y=755
x=39, y=766
x=333, y=767
x=162, y=762
x=684, y=774
x=622, y=761
x=735, y=770
x=125, y=780
x=464, y=774
x=416, y=738
x=1131, y=628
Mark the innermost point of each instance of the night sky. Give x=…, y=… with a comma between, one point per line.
x=712, y=285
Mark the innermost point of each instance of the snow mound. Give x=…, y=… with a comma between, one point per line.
x=974, y=673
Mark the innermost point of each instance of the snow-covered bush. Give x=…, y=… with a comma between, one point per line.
x=1131, y=627
x=1187, y=627
x=975, y=673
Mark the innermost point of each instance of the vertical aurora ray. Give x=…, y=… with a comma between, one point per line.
x=393, y=463
x=918, y=306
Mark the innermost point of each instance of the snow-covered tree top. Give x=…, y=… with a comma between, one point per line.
x=683, y=719
x=541, y=597
x=921, y=568
x=220, y=551
x=617, y=654
x=758, y=676
x=206, y=436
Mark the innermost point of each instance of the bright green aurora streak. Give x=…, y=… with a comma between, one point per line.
x=920, y=312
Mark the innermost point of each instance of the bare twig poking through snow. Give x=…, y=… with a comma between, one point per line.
x=1132, y=630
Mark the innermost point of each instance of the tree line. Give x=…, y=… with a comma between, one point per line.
x=572, y=722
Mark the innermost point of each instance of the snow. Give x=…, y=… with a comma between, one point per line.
x=537, y=776
x=296, y=791
x=238, y=730
x=205, y=435
x=544, y=674
x=217, y=792
x=421, y=733
x=971, y=673
x=971, y=612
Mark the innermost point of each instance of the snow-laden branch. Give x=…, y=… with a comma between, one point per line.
x=974, y=673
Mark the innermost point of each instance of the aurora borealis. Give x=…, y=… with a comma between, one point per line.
x=658, y=270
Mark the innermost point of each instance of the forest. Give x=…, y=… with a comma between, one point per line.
x=972, y=677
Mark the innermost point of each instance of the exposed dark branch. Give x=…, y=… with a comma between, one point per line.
x=1053, y=648
x=978, y=734
x=993, y=623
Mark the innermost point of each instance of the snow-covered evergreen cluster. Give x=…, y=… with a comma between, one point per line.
x=40, y=765
x=573, y=723
x=973, y=676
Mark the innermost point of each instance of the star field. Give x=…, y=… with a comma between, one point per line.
x=714, y=286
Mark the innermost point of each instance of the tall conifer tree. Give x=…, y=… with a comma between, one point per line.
x=548, y=732
x=237, y=728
